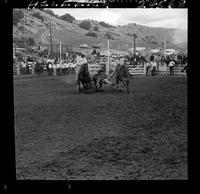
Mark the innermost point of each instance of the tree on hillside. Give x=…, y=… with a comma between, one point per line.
x=108, y=35
x=85, y=25
x=38, y=16
x=68, y=18
x=106, y=25
x=96, y=28
x=93, y=34
x=17, y=15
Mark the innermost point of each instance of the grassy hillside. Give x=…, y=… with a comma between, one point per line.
x=71, y=34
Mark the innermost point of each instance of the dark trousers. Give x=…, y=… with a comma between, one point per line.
x=153, y=71
x=147, y=71
x=171, y=70
x=24, y=70
x=50, y=71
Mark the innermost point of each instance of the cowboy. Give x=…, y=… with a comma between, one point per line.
x=80, y=60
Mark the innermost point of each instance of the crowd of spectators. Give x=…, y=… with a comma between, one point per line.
x=68, y=63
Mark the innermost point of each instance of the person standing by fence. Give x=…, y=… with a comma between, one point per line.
x=24, y=67
x=50, y=68
x=153, y=65
x=148, y=68
x=65, y=68
x=171, y=67
x=55, y=68
x=58, y=67
x=62, y=68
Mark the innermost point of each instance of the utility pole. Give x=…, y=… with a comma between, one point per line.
x=134, y=37
x=25, y=39
x=132, y=48
x=107, y=66
x=51, y=39
x=164, y=46
x=60, y=50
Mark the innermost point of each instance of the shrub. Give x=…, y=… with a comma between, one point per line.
x=143, y=39
x=68, y=18
x=96, y=28
x=105, y=25
x=129, y=34
x=108, y=35
x=93, y=34
x=85, y=25
x=38, y=16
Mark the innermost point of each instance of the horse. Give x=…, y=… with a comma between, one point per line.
x=84, y=77
x=38, y=68
x=123, y=75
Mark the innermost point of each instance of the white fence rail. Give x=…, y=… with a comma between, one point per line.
x=95, y=67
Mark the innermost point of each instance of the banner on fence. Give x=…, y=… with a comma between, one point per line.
x=137, y=71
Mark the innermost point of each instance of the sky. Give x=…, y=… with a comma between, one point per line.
x=153, y=17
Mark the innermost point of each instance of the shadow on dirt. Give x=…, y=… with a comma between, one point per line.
x=93, y=91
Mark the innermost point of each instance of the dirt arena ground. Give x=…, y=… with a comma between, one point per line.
x=65, y=135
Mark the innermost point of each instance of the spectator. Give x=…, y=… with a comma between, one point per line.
x=54, y=68
x=58, y=68
x=171, y=67
x=50, y=67
x=66, y=68
x=153, y=65
x=62, y=67
x=84, y=59
x=24, y=68
x=148, y=68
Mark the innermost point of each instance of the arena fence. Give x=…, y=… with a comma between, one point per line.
x=93, y=68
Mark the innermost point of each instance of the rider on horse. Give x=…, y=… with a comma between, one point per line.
x=80, y=60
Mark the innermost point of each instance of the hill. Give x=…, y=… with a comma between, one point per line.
x=72, y=33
